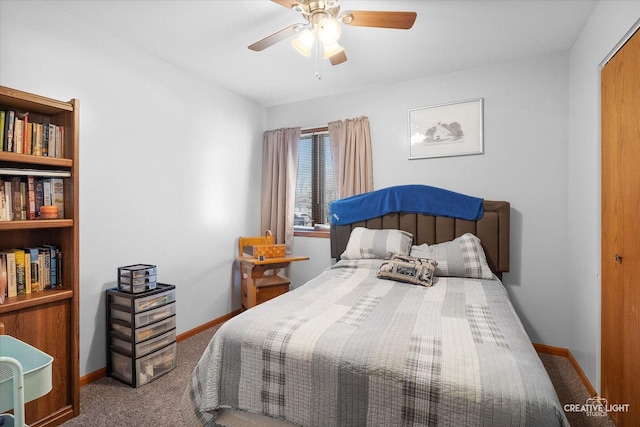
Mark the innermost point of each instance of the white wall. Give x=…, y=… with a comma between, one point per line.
x=525, y=128
x=317, y=249
x=607, y=25
x=166, y=161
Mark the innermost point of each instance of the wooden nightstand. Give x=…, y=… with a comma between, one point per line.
x=261, y=280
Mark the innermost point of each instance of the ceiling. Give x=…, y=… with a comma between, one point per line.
x=210, y=38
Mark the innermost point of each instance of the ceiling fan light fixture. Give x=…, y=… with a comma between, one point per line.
x=332, y=49
x=329, y=31
x=304, y=42
x=323, y=27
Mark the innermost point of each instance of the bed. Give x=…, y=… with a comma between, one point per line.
x=436, y=344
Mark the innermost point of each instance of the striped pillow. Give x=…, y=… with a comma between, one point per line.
x=461, y=257
x=369, y=244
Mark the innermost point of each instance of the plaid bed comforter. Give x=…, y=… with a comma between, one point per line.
x=349, y=349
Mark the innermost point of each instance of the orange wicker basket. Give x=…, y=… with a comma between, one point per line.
x=267, y=248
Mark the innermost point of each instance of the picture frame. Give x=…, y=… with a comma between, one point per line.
x=444, y=130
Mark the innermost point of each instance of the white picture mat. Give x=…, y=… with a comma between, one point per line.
x=429, y=138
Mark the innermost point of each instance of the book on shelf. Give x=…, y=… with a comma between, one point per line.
x=26, y=136
x=52, y=140
x=30, y=269
x=3, y=280
x=31, y=197
x=53, y=265
x=27, y=271
x=7, y=199
x=57, y=195
x=10, y=272
x=44, y=257
x=3, y=203
x=39, y=191
x=6, y=211
x=21, y=284
x=2, y=117
x=22, y=197
x=45, y=139
x=60, y=270
x=46, y=184
x=23, y=200
x=16, y=199
x=37, y=139
x=9, y=120
x=20, y=134
x=34, y=268
x=60, y=141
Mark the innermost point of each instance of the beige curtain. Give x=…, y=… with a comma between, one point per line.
x=279, y=172
x=351, y=151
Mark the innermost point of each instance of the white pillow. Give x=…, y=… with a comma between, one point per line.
x=365, y=243
x=461, y=257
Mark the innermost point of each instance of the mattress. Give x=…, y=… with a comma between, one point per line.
x=351, y=349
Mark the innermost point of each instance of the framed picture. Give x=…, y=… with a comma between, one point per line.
x=453, y=129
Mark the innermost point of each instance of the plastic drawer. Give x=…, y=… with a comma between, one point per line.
x=146, y=303
x=146, y=332
x=137, y=270
x=136, y=289
x=138, y=372
x=144, y=318
x=145, y=347
x=137, y=280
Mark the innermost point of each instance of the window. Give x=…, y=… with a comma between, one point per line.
x=315, y=186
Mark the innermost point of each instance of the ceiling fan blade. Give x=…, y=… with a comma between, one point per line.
x=274, y=38
x=370, y=18
x=286, y=3
x=338, y=58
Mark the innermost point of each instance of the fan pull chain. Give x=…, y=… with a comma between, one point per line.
x=318, y=59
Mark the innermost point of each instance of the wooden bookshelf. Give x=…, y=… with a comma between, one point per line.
x=48, y=319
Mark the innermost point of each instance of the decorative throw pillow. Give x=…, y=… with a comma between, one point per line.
x=403, y=268
x=365, y=243
x=461, y=257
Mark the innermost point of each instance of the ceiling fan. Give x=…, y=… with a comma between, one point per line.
x=322, y=26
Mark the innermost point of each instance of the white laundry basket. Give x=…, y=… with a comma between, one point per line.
x=25, y=375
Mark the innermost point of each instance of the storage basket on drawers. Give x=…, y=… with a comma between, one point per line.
x=137, y=278
x=141, y=333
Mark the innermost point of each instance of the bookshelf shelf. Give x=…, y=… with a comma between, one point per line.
x=35, y=224
x=33, y=103
x=47, y=319
x=35, y=161
x=22, y=302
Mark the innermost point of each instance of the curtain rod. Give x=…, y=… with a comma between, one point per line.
x=314, y=130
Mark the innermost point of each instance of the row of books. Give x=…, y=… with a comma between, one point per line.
x=21, y=136
x=21, y=197
x=27, y=270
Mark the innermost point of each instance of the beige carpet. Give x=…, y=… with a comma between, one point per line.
x=571, y=390
x=108, y=402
